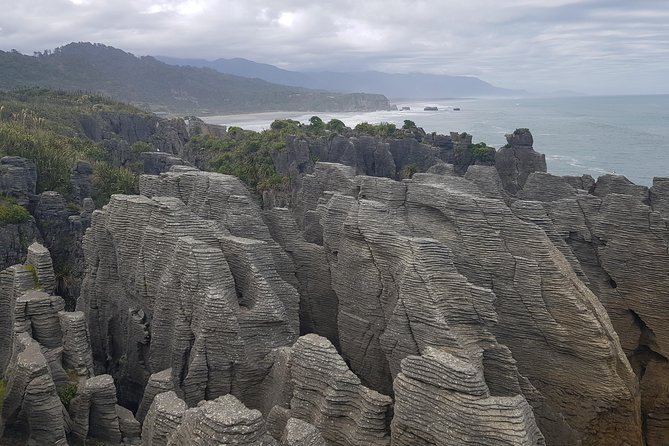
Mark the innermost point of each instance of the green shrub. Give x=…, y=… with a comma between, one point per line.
x=3, y=390
x=109, y=180
x=67, y=392
x=335, y=125
x=11, y=212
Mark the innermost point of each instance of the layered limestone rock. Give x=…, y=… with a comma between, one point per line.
x=315, y=385
x=620, y=243
x=444, y=384
x=160, y=382
x=18, y=178
x=224, y=420
x=402, y=240
x=40, y=259
x=517, y=160
x=301, y=433
x=77, y=354
x=31, y=405
x=163, y=418
x=81, y=179
x=194, y=287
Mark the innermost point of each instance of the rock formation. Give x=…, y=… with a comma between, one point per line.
x=503, y=306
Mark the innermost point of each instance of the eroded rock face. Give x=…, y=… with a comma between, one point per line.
x=447, y=385
x=192, y=287
x=320, y=389
x=517, y=160
x=400, y=241
x=224, y=420
x=18, y=178
x=618, y=239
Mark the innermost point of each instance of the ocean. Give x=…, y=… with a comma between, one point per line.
x=627, y=135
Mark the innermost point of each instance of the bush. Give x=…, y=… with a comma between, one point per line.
x=12, y=213
x=3, y=390
x=109, y=180
x=67, y=392
x=335, y=125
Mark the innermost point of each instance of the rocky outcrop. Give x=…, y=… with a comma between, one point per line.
x=194, y=285
x=396, y=239
x=163, y=418
x=158, y=162
x=301, y=433
x=31, y=405
x=14, y=241
x=619, y=243
x=314, y=384
x=448, y=385
x=81, y=179
x=517, y=160
x=18, y=178
x=160, y=382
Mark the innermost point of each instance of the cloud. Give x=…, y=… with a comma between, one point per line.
x=600, y=46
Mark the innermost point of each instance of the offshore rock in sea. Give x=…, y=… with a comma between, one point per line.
x=194, y=287
x=522, y=295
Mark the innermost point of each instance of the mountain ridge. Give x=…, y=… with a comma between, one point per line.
x=152, y=84
x=394, y=85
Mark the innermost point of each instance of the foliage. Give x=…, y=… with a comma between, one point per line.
x=109, y=180
x=316, y=124
x=140, y=147
x=382, y=130
x=409, y=170
x=67, y=392
x=409, y=125
x=11, y=212
x=31, y=269
x=46, y=127
x=335, y=125
x=482, y=152
x=3, y=390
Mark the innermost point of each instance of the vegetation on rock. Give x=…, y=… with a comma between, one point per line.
x=11, y=212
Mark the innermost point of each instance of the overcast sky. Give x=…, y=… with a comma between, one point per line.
x=591, y=46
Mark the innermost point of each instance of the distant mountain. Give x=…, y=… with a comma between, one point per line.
x=148, y=82
x=406, y=86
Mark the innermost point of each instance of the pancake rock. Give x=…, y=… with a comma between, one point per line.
x=224, y=420
x=195, y=287
x=618, y=236
x=517, y=159
x=522, y=294
x=162, y=419
x=322, y=391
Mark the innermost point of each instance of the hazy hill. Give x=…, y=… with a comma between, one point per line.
x=413, y=85
x=159, y=86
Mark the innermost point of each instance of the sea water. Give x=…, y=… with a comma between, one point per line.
x=627, y=135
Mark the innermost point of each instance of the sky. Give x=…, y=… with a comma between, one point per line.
x=586, y=46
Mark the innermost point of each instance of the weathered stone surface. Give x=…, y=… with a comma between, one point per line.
x=318, y=302
x=329, y=396
x=170, y=288
x=583, y=182
x=40, y=260
x=559, y=335
x=160, y=382
x=81, y=179
x=130, y=428
x=516, y=160
x=77, y=354
x=103, y=419
x=163, y=418
x=224, y=420
x=618, y=184
x=443, y=400
x=621, y=246
x=541, y=186
x=14, y=242
x=158, y=162
x=18, y=178
x=301, y=433
x=31, y=403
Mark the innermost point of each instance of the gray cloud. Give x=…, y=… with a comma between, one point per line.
x=594, y=46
